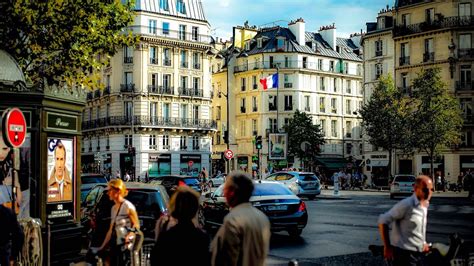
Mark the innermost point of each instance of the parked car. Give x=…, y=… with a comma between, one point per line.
x=88, y=181
x=304, y=184
x=171, y=182
x=217, y=180
x=150, y=200
x=283, y=208
x=402, y=185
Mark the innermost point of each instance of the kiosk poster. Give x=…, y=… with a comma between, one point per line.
x=60, y=170
x=277, y=146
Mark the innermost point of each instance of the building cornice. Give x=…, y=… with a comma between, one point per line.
x=175, y=43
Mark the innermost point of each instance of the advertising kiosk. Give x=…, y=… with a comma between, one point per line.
x=47, y=169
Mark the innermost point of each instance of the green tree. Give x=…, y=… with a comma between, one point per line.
x=64, y=41
x=436, y=120
x=301, y=131
x=384, y=118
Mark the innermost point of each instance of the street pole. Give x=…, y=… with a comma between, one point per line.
x=258, y=165
x=227, y=59
x=278, y=85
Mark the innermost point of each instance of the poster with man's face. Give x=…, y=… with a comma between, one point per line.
x=60, y=170
x=277, y=146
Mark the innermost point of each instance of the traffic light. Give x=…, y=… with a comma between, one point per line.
x=258, y=142
x=226, y=136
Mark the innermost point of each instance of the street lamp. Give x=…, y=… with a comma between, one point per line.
x=452, y=58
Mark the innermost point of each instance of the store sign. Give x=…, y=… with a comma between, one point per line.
x=61, y=122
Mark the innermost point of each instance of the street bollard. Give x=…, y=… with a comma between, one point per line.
x=336, y=187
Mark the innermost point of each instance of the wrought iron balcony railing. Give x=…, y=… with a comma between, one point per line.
x=170, y=34
x=438, y=23
x=191, y=92
x=428, y=57
x=149, y=121
x=466, y=53
x=404, y=60
x=127, y=87
x=464, y=86
x=154, y=89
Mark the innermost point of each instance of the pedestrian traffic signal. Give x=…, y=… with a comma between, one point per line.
x=258, y=142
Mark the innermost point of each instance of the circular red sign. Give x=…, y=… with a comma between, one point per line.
x=190, y=163
x=228, y=154
x=14, y=128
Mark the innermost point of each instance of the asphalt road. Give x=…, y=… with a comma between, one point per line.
x=340, y=230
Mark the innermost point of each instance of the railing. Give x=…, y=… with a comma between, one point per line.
x=154, y=61
x=97, y=94
x=128, y=60
x=378, y=53
x=160, y=89
x=255, y=86
x=406, y=90
x=291, y=64
x=428, y=57
x=197, y=66
x=167, y=62
x=149, y=121
x=468, y=119
x=438, y=23
x=288, y=85
x=307, y=109
x=288, y=107
x=464, y=86
x=242, y=110
x=170, y=34
x=127, y=87
x=184, y=64
x=190, y=92
x=404, y=60
x=90, y=96
x=243, y=88
x=466, y=53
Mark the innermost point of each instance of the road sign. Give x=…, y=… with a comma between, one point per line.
x=14, y=127
x=228, y=154
x=190, y=163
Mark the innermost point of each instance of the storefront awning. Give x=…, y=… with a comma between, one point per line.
x=332, y=163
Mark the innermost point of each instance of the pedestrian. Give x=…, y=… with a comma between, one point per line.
x=408, y=218
x=11, y=236
x=127, y=177
x=123, y=216
x=117, y=175
x=183, y=235
x=244, y=237
x=459, y=183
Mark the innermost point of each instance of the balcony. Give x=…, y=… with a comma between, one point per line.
x=272, y=107
x=241, y=68
x=466, y=54
x=128, y=60
x=197, y=66
x=184, y=64
x=288, y=108
x=289, y=64
x=149, y=121
x=406, y=90
x=404, y=60
x=348, y=135
x=243, y=88
x=464, y=86
x=254, y=109
x=90, y=96
x=288, y=85
x=468, y=119
x=127, y=87
x=97, y=94
x=154, y=61
x=167, y=62
x=307, y=109
x=154, y=89
x=439, y=23
x=378, y=53
x=428, y=57
x=242, y=110
x=191, y=92
x=255, y=86
x=170, y=34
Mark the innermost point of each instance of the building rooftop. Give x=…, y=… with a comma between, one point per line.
x=193, y=9
x=9, y=69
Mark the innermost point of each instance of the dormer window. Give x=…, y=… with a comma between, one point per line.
x=247, y=46
x=338, y=49
x=181, y=7
x=280, y=44
x=259, y=43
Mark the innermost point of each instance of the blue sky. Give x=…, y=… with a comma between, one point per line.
x=350, y=16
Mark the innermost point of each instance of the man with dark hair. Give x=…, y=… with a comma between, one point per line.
x=60, y=184
x=244, y=237
x=408, y=218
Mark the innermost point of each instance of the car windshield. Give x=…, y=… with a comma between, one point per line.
x=308, y=177
x=269, y=189
x=191, y=181
x=93, y=179
x=405, y=178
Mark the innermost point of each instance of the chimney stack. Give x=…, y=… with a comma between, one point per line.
x=329, y=35
x=297, y=27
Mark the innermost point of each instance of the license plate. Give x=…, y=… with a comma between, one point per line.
x=310, y=185
x=277, y=208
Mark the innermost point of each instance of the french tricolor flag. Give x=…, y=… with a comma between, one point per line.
x=270, y=82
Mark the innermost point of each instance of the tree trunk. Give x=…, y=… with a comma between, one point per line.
x=432, y=170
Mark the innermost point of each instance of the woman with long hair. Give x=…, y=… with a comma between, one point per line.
x=123, y=214
x=6, y=177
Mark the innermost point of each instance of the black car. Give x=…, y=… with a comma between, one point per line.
x=171, y=182
x=283, y=208
x=150, y=200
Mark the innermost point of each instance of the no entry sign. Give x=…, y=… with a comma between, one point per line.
x=13, y=127
x=228, y=154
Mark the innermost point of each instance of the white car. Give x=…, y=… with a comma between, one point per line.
x=402, y=185
x=217, y=180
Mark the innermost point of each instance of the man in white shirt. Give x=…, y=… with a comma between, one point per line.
x=408, y=218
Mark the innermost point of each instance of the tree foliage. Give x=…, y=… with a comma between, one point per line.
x=301, y=129
x=436, y=120
x=64, y=41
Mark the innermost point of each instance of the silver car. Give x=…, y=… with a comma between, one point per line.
x=217, y=180
x=402, y=185
x=304, y=184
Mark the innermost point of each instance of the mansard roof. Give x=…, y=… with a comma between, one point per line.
x=314, y=44
x=194, y=8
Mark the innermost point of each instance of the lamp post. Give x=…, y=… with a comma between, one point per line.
x=452, y=58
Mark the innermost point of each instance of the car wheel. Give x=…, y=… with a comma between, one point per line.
x=311, y=197
x=295, y=232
